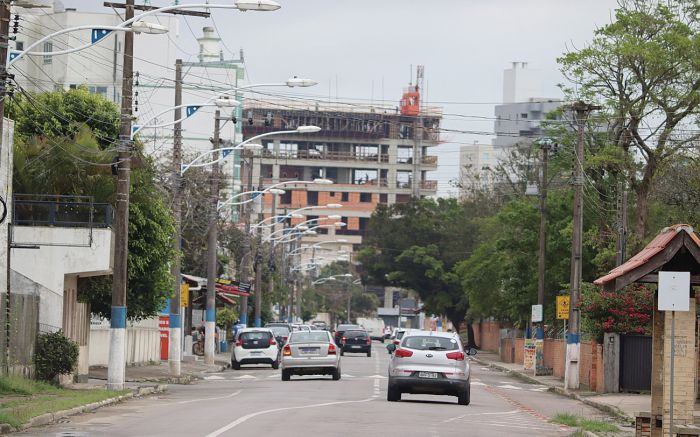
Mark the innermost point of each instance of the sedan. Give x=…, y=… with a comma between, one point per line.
x=310, y=353
x=430, y=363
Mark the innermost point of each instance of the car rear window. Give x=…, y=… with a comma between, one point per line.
x=430, y=343
x=355, y=334
x=246, y=336
x=399, y=335
x=346, y=327
x=309, y=337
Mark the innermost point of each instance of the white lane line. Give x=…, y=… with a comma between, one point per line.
x=213, y=377
x=493, y=413
x=377, y=377
x=276, y=375
x=235, y=393
x=245, y=377
x=245, y=418
x=345, y=375
x=478, y=383
x=509, y=387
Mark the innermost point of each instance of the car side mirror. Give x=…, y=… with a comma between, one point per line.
x=471, y=351
x=391, y=347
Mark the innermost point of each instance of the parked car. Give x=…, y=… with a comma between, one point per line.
x=427, y=362
x=255, y=346
x=387, y=332
x=310, y=353
x=340, y=329
x=356, y=341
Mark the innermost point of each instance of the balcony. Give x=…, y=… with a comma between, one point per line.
x=61, y=211
x=429, y=185
x=429, y=160
x=319, y=155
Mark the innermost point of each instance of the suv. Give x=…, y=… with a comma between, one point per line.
x=356, y=340
x=340, y=329
x=427, y=362
x=255, y=346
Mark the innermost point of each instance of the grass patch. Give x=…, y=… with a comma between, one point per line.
x=21, y=399
x=583, y=423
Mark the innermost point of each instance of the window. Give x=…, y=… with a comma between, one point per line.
x=312, y=198
x=286, y=198
x=72, y=86
x=48, y=47
x=332, y=194
x=101, y=90
x=365, y=197
x=384, y=198
x=523, y=115
x=345, y=197
x=19, y=45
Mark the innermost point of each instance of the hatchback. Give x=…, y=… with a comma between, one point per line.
x=255, y=346
x=310, y=353
x=428, y=362
x=357, y=341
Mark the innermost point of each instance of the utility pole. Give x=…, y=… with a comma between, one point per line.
x=542, y=253
x=271, y=262
x=117, y=340
x=258, y=258
x=4, y=47
x=573, y=344
x=175, y=318
x=212, y=237
x=247, y=263
x=621, y=223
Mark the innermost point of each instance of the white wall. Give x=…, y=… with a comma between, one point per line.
x=48, y=265
x=142, y=342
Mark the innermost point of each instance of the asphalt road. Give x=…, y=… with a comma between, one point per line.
x=254, y=401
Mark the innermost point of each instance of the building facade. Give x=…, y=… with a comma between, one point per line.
x=475, y=163
x=373, y=156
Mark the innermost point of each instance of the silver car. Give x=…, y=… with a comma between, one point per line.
x=427, y=362
x=310, y=353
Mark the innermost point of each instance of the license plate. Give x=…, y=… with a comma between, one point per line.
x=309, y=350
x=430, y=375
x=356, y=347
x=256, y=352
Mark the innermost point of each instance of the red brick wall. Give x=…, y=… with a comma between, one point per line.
x=487, y=336
x=519, y=350
x=555, y=355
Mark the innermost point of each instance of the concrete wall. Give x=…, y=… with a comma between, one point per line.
x=142, y=342
x=76, y=255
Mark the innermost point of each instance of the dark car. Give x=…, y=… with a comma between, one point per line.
x=340, y=329
x=356, y=341
x=281, y=332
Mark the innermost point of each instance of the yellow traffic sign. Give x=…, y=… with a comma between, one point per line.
x=562, y=307
x=184, y=294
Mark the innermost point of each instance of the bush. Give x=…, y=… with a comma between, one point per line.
x=628, y=311
x=55, y=355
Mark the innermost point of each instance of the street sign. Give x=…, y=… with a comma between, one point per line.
x=563, y=307
x=674, y=291
x=536, y=313
x=184, y=294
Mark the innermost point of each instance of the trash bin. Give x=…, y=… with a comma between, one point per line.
x=223, y=346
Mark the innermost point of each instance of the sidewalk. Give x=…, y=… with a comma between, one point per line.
x=625, y=406
x=160, y=372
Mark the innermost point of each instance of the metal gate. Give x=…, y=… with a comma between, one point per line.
x=635, y=363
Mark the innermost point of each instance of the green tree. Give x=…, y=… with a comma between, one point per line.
x=643, y=69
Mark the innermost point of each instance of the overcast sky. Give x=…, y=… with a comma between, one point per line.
x=353, y=47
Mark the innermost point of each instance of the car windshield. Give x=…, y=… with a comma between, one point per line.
x=430, y=343
x=279, y=331
x=355, y=334
x=309, y=337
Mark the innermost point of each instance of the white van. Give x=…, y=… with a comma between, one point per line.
x=375, y=328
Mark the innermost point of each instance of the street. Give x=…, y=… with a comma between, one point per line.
x=254, y=401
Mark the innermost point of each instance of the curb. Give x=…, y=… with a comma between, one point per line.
x=608, y=409
x=49, y=418
x=180, y=380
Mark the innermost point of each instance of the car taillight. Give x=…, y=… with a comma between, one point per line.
x=369, y=340
x=331, y=349
x=402, y=353
x=287, y=351
x=459, y=356
x=343, y=340
x=239, y=343
x=396, y=342
x=272, y=341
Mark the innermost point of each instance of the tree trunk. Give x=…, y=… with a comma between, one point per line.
x=643, y=191
x=471, y=341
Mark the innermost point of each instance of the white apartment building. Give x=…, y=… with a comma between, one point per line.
x=475, y=161
x=100, y=69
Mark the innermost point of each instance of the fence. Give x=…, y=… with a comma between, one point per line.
x=142, y=342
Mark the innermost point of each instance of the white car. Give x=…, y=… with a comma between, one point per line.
x=255, y=346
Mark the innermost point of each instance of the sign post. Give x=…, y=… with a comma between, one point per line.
x=674, y=293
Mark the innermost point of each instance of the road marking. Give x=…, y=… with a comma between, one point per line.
x=509, y=387
x=345, y=375
x=276, y=375
x=478, y=383
x=213, y=377
x=503, y=413
x=376, y=389
x=245, y=418
x=245, y=377
x=235, y=393
x=377, y=377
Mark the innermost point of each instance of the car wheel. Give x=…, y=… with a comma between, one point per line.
x=393, y=394
x=342, y=353
x=369, y=354
x=285, y=375
x=276, y=364
x=464, y=397
x=336, y=374
x=235, y=365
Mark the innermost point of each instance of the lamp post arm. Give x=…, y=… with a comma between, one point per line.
x=194, y=163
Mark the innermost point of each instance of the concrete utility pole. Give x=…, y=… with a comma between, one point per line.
x=621, y=223
x=175, y=350
x=4, y=43
x=258, y=258
x=573, y=342
x=117, y=340
x=247, y=263
x=271, y=261
x=212, y=237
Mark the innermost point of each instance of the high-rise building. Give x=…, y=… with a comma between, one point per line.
x=373, y=156
x=476, y=162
